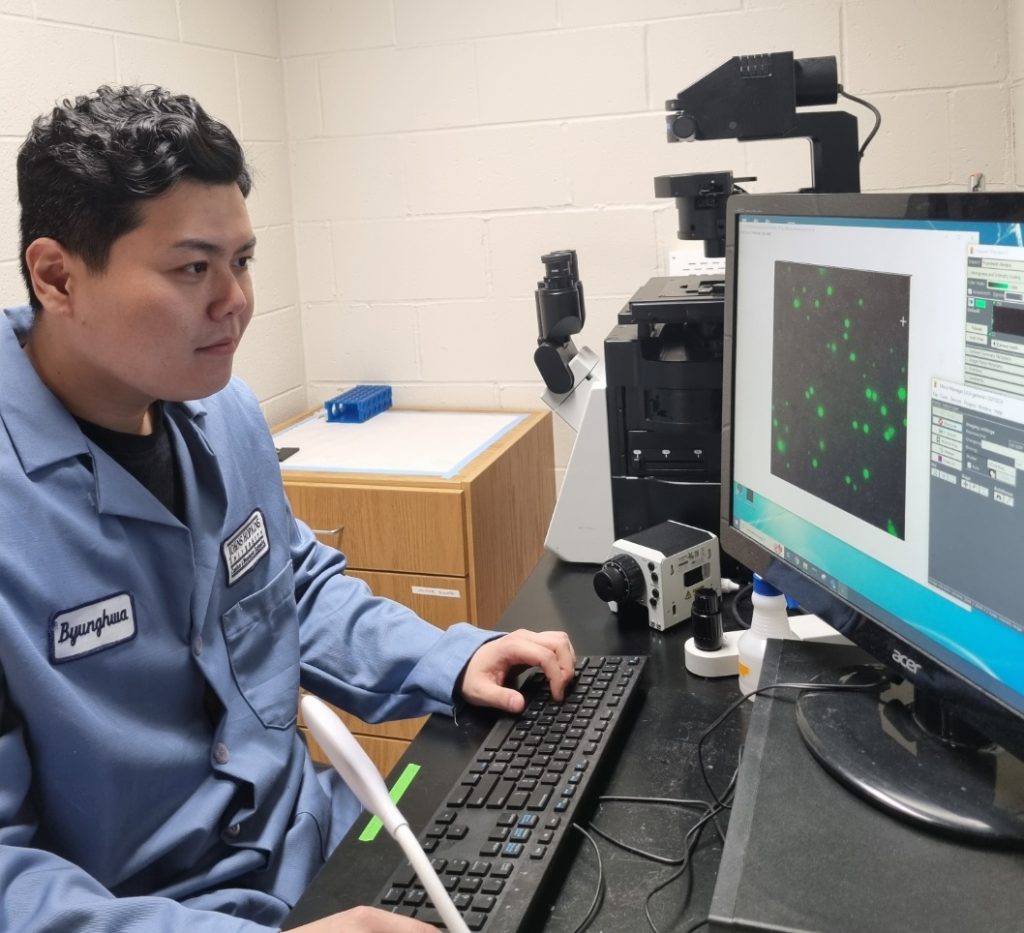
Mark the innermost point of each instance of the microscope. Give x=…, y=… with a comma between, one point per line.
x=661, y=377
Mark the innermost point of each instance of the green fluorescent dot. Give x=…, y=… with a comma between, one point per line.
x=846, y=323
x=846, y=335
x=866, y=428
x=810, y=390
x=796, y=302
x=775, y=422
x=780, y=445
x=860, y=302
x=904, y=422
x=814, y=462
x=833, y=347
x=889, y=433
x=848, y=480
x=817, y=302
x=821, y=444
x=856, y=425
x=828, y=291
x=884, y=410
x=853, y=357
x=891, y=528
x=901, y=393
x=867, y=393
x=821, y=411
x=866, y=473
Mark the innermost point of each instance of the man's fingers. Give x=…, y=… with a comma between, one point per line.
x=552, y=652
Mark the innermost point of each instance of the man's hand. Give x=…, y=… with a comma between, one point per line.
x=483, y=681
x=366, y=920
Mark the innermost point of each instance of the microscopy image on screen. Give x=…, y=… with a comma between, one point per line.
x=839, y=388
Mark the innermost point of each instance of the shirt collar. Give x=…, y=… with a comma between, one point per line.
x=41, y=429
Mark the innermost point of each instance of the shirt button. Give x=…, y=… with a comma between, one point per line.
x=234, y=829
x=220, y=753
x=197, y=645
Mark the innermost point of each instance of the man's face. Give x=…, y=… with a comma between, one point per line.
x=164, y=318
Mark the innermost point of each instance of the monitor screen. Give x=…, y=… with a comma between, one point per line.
x=874, y=429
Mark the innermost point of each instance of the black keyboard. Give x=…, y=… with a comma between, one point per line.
x=508, y=818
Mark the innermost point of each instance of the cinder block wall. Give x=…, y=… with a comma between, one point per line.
x=439, y=148
x=226, y=53
x=415, y=158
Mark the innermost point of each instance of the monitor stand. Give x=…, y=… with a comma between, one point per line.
x=886, y=746
x=804, y=853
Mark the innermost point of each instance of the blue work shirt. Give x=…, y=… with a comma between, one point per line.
x=124, y=805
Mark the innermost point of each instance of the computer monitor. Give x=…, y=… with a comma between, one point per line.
x=873, y=470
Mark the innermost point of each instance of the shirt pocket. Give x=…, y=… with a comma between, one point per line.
x=262, y=636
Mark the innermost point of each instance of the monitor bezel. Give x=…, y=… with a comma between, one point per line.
x=921, y=664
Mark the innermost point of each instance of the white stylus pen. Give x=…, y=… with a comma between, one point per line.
x=362, y=778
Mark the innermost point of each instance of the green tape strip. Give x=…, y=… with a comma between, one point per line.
x=397, y=790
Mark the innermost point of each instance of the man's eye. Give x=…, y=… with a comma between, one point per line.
x=245, y=262
x=196, y=268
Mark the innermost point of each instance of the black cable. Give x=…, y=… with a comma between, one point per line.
x=710, y=812
x=695, y=832
x=873, y=109
x=625, y=846
x=696, y=926
x=742, y=593
x=595, y=905
x=732, y=707
x=667, y=801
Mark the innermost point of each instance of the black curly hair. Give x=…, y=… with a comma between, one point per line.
x=85, y=167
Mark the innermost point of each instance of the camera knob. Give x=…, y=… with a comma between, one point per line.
x=619, y=580
x=682, y=126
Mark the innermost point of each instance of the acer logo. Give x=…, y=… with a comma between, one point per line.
x=906, y=663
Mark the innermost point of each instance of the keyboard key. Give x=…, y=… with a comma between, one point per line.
x=429, y=915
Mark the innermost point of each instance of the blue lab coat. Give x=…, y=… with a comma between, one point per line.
x=124, y=806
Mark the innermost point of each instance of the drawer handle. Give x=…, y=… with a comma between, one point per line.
x=328, y=531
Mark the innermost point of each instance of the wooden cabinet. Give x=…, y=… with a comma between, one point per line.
x=452, y=549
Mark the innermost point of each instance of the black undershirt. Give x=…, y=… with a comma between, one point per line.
x=148, y=457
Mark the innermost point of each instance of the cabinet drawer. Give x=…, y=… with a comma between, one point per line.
x=390, y=528
x=440, y=600
x=396, y=729
x=382, y=752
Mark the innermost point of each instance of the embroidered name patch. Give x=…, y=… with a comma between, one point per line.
x=245, y=547
x=93, y=627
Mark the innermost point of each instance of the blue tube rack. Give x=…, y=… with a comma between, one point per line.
x=358, y=404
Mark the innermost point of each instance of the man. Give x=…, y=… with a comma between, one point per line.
x=160, y=606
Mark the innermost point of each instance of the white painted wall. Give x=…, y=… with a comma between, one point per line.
x=226, y=53
x=439, y=147
x=415, y=157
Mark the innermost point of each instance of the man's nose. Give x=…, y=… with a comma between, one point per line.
x=232, y=297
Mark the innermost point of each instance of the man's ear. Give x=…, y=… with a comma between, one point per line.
x=50, y=266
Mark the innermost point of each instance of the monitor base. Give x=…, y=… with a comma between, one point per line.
x=874, y=744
